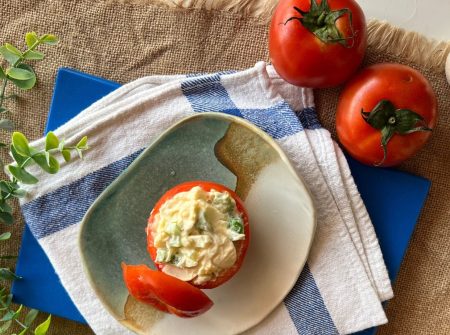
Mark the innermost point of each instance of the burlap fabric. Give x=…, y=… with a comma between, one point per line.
x=123, y=41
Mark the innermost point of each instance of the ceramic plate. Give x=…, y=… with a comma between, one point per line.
x=226, y=150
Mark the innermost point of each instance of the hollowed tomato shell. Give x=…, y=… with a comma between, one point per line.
x=241, y=246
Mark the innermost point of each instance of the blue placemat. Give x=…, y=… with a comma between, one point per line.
x=393, y=199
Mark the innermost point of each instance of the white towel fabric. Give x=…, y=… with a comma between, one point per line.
x=345, y=280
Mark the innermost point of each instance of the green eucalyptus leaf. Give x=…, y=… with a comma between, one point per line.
x=13, y=49
x=34, y=151
x=31, y=38
x=25, y=84
x=31, y=54
x=18, y=158
x=11, y=315
x=5, y=236
x=51, y=141
x=82, y=144
x=10, y=57
x=3, y=110
x=7, y=274
x=20, y=143
x=13, y=185
x=6, y=218
x=4, y=207
x=49, y=39
x=43, y=327
x=46, y=161
x=9, y=298
x=4, y=327
x=22, y=175
x=19, y=74
x=4, y=186
x=19, y=193
x=2, y=73
x=30, y=317
x=52, y=166
x=24, y=331
x=66, y=155
x=6, y=124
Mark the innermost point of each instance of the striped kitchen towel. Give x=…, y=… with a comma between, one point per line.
x=341, y=288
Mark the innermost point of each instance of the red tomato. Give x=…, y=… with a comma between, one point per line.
x=165, y=292
x=241, y=245
x=325, y=58
x=361, y=133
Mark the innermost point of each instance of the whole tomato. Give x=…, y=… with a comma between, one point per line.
x=317, y=45
x=240, y=245
x=385, y=114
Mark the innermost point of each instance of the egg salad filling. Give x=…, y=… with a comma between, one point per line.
x=194, y=232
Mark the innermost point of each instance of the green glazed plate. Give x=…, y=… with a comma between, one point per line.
x=226, y=150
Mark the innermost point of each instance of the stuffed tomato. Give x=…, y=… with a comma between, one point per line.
x=198, y=232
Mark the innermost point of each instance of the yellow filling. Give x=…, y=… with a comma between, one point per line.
x=194, y=233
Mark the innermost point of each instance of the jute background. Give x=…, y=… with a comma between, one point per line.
x=125, y=40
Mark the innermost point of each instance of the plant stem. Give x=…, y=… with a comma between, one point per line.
x=8, y=310
x=25, y=53
x=5, y=81
x=26, y=161
x=20, y=323
x=2, y=92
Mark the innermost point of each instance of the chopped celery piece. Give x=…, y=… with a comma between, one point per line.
x=223, y=202
x=235, y=225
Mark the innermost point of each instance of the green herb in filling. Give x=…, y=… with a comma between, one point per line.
x=235, y=224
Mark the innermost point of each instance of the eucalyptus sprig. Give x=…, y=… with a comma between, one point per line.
x=18, y=72
x=23, y=76
x=11, y=315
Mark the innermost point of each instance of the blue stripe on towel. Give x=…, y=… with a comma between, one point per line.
x=278, y=121
x=308, y=118
x=67, y=205
x=307, y=309
x=207, y=94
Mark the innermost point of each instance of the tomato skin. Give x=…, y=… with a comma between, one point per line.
x=241, y=246
x=165, y=292
x=301, y=59
x=406, y=88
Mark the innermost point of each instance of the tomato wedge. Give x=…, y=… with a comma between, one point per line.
x=164, y=292
x=241, y=246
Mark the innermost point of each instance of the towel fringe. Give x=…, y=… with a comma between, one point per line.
x=414, y=47
x=383, y=36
